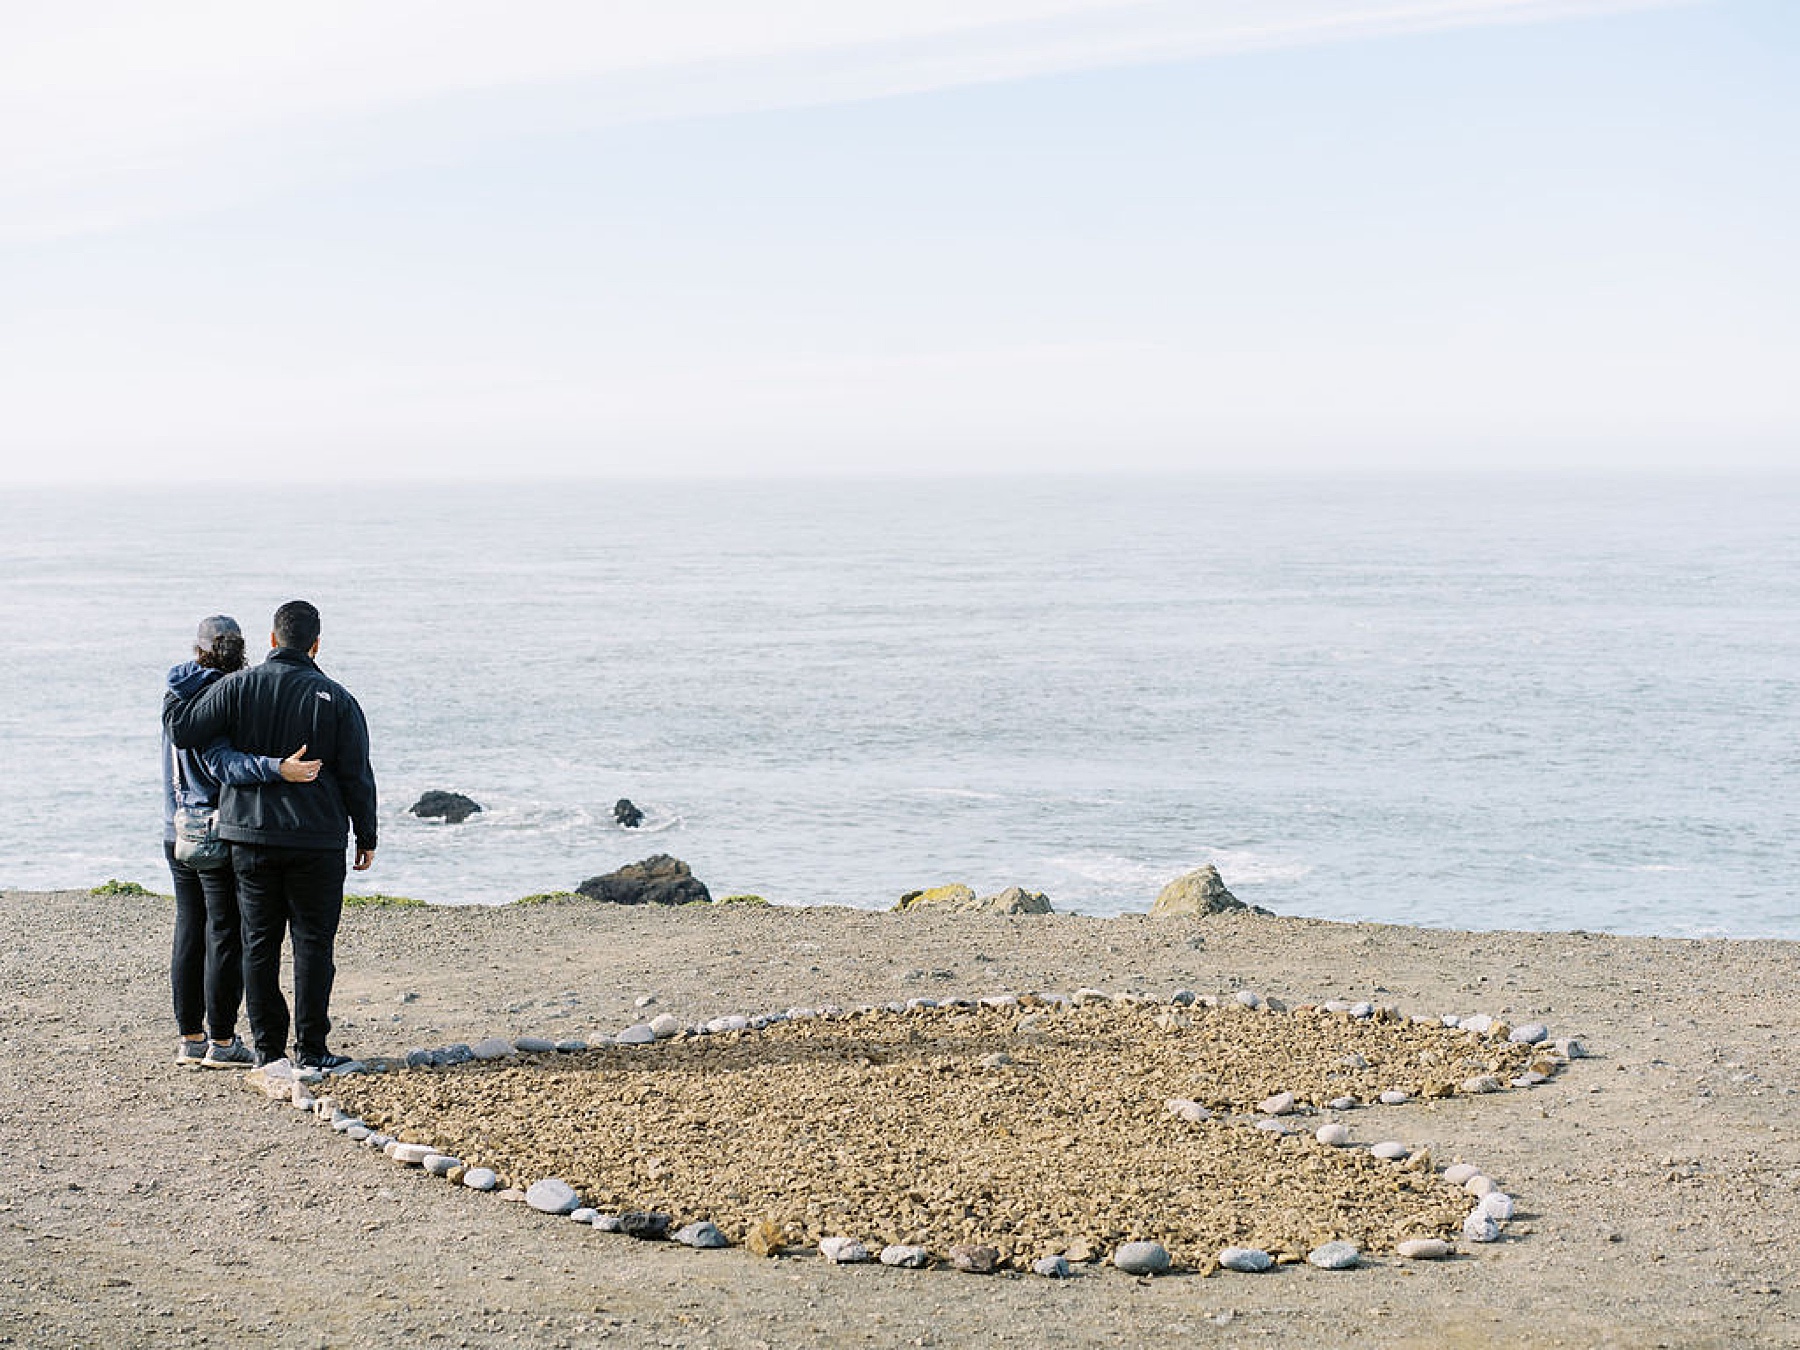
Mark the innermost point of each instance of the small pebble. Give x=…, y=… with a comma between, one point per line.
x=1529, y=1034
x=905, y=1256
x=1051, y=1268
x=1390, y=1149
x=585, y=1215
x=1497, y=1205
x=665, y=1026
x=1335, y=1256
x=645, y=1001
x=1485, y=1082
x=1181, y=998
x=552, y=1195
x=606, y=1223
x=571, y=1047
x=409, y=1155
x=1457, y=1173
x=1394, y=1097
x=440, y=1164
x=645, y=1225
x=1362, y=1011
x=1248, y=998
x=1142, y=1258
x=481, y=1178
x=1091, y=996
x=842, y=1251
x=1479, y=1185
x=1281, y=1104
x=1249, y=1260
x=1571, y=1049
x=1424, y=1249
x=493, y=1048
x=1273, y=1126
x=636, y=1035
x=975, y=1260
x=1334, y=1135
x=1342, y=1103
x=1480, y=1227
x=1479, y=1023
x=1183, y=1109
x=534, y=1045
x=702, y=1235
x=357, y=1133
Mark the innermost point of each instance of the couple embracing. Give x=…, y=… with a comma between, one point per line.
x=282, y=751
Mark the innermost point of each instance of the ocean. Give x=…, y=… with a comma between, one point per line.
x=1472, y=702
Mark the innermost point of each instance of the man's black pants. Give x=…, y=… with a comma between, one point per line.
x=283, y=891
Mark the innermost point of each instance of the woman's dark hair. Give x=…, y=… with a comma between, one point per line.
x=226, y=653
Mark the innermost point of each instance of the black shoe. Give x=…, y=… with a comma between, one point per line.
x=325, y=1062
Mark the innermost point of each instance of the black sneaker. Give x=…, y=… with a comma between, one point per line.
x=325, y=1062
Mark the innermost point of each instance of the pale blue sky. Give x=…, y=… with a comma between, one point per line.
x=1089, y=234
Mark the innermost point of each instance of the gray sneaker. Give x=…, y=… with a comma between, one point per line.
x=237, y=1055
x=189, y=1054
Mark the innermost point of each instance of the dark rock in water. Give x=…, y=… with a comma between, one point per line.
x=657, y=880
x=627, y=814
x=452, y=806
x=1200, y=892
x=648, y=1226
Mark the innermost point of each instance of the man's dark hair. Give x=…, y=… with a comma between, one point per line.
x=296, y=625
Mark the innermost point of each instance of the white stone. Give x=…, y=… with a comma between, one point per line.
x=552, y=1195
x=843, y=1251
x=665, y=1026
x=905, y=1256
x=1480, y=1083
x=1424, y=1249
x=1390, y=1149
x=1281, y=1104
x=1457, y=1173
x=494, y=1047
x=585, y=1215
x=1086, y=995
x=702, y=1234
x=1394, y=1097
x=1335, y=1256
x=409, y=1155
x=1497, y=1205
x=636, y=1035
x=440, y=1164
x=1479, y=1185
x=1478, y=1024
x=1529, y=1034
x=1274, y=1125
x=1142, y=1258
x=1342, y=1103
x=1362, y=1011
x=1249, y=998
x=1183, y=1109
x=1051, y=1267
x=481, y=1178
x=1249, y=1260
x=1480, y=1227
x=1334, y=1134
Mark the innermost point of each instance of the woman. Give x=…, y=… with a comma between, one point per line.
x=206, y=967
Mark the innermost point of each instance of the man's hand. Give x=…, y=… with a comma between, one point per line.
x=297, y=768
x=365, y=859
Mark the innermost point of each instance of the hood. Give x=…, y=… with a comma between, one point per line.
x=189, y=678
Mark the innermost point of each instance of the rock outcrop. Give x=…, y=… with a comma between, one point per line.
x=963, y=900
x=627, y=814
x=657, y=880
x=1199, y=892
x=450, y=806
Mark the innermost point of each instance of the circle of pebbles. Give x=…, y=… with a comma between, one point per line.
x=1037, y=1127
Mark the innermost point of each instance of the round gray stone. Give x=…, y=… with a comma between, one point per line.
x=552, y=1195
x=1249, y=1260
x=1335, y=1256
x=1142, y=1258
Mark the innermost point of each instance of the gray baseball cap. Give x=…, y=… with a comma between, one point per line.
x=218, y=626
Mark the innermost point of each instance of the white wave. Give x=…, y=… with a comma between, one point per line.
x=963, y=794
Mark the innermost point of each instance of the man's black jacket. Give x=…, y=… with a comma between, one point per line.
x=274, y=709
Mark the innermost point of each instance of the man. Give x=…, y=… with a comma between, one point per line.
x=288, y=839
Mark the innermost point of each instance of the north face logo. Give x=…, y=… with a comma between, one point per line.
x=325, y=694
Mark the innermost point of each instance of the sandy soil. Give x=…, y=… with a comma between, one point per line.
x=1658, y=1182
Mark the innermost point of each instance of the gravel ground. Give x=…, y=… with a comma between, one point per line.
x=1658, y=1183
